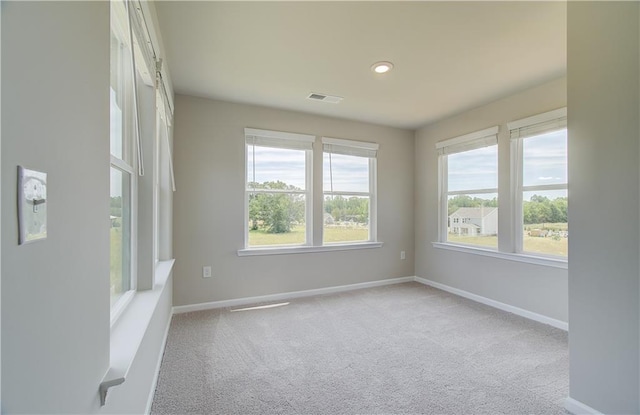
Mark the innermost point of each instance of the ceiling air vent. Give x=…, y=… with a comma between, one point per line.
x=324, y=98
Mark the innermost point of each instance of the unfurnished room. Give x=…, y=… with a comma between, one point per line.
x=320, y=207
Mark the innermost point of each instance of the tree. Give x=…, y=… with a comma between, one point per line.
x=459, y=201
x=275, y=212
x=541, y=209
x=354, y=208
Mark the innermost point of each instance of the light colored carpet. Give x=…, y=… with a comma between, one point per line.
x=402, y=348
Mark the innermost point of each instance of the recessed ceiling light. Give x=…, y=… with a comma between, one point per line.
x=381, y=67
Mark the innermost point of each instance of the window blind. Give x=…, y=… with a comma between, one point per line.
x=143, y=45
x=467, y=142
x=166, y=119
x=136, y=108
x=350, y=147
x=538, y=124
x=278, y=139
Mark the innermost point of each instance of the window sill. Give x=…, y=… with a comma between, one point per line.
x=129, y=330
x=308, y=249
x=529, y=259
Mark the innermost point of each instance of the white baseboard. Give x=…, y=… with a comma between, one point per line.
x=578, y=408
x=287, y=296
x=496, y=304
x=158, y=364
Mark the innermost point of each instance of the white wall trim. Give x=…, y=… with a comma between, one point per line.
x=496, y=304
x=154, y=384
x=287, y=296
x=578, y=408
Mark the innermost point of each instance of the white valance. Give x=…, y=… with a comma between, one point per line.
x=278, y=139
x=538, y=124
x=472, y=141
x=350, y=147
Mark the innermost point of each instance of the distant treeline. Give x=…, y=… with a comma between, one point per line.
x=540, y=209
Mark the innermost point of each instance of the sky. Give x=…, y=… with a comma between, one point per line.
x=544, y=162
x=349, y=173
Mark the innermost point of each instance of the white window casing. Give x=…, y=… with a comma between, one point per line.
x=519, y=130
x=282, y=140
x=359, y=149
x=129, y=162
x=467, y=142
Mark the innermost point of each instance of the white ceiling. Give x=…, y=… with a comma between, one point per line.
x=449, y=56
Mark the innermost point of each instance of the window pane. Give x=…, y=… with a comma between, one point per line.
x=473, y=219
x=545, y=159
x=473, y=169
x=343, y=173
x=346, y=219
x=546, y=229
x=267, y=167
x=277, y=219
x=120, y=248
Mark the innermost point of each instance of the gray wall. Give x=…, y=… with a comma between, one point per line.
x=55, y=118
x=536, y=288
x=55, y=293
x=209, y=205
x=604, y=276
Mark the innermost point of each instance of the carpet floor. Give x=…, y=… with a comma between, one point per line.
x=403, y=348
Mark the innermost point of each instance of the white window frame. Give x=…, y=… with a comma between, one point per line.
x=130, y=152
x=358, y=149
x=282, y=140
x=472, y=141
x=520, y=130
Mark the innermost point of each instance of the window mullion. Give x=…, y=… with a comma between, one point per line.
x=373, y=199
x=443, y=205
x=309, y=197
x=516, y=172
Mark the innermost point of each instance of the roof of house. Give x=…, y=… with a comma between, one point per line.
x=473, y=212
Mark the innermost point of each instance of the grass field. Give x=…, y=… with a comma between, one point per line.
x=297, y=237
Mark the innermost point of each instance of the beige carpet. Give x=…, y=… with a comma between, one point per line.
x=402, y=348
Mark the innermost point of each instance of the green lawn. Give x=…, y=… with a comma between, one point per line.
x=547, y=246
x=297, y=236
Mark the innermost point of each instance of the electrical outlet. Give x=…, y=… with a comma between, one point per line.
x=206, y=272
x=402, y=255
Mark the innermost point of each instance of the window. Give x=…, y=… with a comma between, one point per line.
x=539, y=149
x=278, y=192
x=469, y=189
x=122, y=165
x=349, y=184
